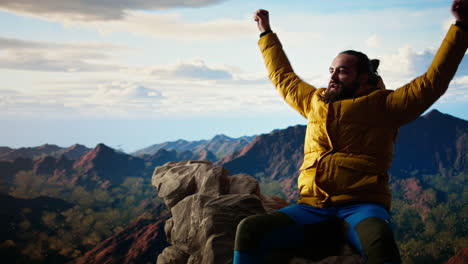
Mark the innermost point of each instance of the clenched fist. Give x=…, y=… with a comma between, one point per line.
x=262, y=18
x=460, y=11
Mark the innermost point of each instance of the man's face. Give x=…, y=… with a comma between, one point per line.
x=344, y=80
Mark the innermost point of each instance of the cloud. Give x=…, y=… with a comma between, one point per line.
x=11, y=43
x=400, y=68
x=221, y=100
x=373, y=41
x=18, y=105
x=409, y=63
x=8, y=92
x=195, y=70
x=117, y=99
x=406, y=63
x=6, y=96
x=200, y=72
x=94, y=57
x=457, y=92
x=21, y=44
x=148, y=99
x=122, y=91
x=91, y=10
x=170, y=26
x=34, y=61
x=158, y=25
x=461, y=81
x=21, y=54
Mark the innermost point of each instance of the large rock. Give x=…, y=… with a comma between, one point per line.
x=177, y=180
x=206, y=204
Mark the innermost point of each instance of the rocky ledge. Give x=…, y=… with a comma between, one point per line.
x=206, y=204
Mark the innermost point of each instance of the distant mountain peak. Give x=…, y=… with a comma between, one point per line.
x=76, y=145
x=441, y=120
x=101, y=147
x=47, y=147
x=110, y=165
x=434, y=113
x=221, y=137
x=88, y=159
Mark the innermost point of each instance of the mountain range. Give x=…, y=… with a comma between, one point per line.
x=71, y=152
x=220, y=145
x=435, y=143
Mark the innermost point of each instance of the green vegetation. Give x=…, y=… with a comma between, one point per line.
x=269, y=186
x=60, y=235
x=431, y=221
x=429, y=214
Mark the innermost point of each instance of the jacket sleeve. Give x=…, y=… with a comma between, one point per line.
x=410, y=101
x=295, y=92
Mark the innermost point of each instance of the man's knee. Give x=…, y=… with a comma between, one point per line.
x=377, y=241
x=252, y=229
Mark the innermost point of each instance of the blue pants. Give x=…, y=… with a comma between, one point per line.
x=367, y=230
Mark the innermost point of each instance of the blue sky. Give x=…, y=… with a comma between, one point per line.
x=134, y=73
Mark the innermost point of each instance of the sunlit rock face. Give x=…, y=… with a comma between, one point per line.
x=206, y=204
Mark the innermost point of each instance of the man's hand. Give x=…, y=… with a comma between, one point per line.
x=263, y=20
x=460, y=11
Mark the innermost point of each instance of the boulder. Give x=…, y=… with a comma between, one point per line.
x=173, y=255
x=207, y=204
x=177, y=180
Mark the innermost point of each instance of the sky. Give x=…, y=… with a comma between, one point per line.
x=132, y=73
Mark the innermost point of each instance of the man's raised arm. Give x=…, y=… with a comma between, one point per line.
x=411, y=100
x=295, y=92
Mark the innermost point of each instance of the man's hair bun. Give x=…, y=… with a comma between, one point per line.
x=375, y=65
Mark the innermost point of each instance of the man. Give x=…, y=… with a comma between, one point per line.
x=352, y=126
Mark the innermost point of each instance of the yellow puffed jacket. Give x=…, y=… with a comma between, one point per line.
x=349, y=143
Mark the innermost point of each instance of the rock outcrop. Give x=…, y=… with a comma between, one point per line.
x=206, y=208
x=206, y=205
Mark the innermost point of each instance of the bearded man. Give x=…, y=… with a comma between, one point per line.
x=352, y=127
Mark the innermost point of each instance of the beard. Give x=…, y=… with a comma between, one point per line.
x=340, y=93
